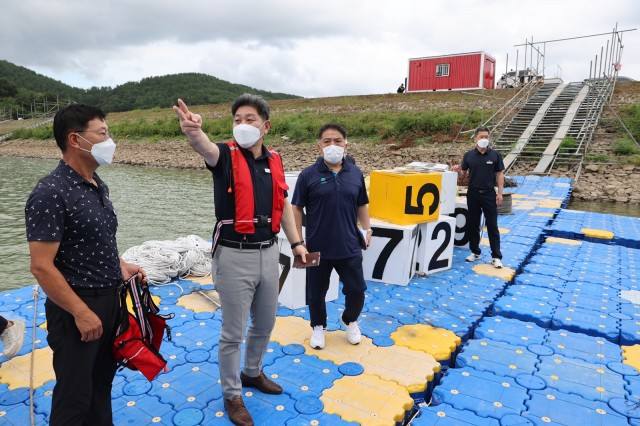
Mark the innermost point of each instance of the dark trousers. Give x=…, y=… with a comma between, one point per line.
x=84, y=370
x=353, y=287
x=479, y=202
x=3, y=324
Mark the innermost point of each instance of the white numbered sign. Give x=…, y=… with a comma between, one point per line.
x=293, y=281
x=291, y=178
x=448, y=193
x=391, y=256
x=461, y=215
x=435, y=245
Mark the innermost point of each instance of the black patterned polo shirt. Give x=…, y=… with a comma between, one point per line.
x=67, y=208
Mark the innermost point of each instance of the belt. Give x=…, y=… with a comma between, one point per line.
x=95, y=291
x=482, y=191
x=245, y=245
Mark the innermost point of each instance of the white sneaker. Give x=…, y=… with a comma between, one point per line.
x=472, y=257
x=12, y=339
x=497, y=263
x=317, y=337
x=353, y=332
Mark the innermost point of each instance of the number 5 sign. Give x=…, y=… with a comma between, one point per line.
x=405, y=198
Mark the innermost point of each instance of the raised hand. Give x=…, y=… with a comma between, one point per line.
x=190, y=123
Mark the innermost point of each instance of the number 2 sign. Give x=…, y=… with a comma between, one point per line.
x=435, y=245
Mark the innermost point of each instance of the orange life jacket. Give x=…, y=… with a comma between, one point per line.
x=243, y=190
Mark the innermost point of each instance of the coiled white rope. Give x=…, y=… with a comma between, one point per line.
x=165, y=260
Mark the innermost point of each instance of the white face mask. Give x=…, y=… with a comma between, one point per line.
x=102, y=151
x=483, y=143
x=333, y=154
x=246, y=135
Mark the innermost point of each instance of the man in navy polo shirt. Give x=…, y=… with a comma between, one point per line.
x=486, y=171
x=334, y=195
x=71, y=228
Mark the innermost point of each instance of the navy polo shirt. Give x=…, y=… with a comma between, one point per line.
x=482, y=167
x=225, y=202
x=331, y=202
x=65, y=207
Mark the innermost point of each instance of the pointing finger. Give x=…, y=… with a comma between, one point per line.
x=179, y=113
x=183, y=106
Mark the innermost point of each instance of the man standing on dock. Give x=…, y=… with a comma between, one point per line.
x=486, y=171
x=71, y=228
x=250, y=204
x=335, y=197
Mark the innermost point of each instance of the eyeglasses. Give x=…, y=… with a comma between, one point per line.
x=104, y=134
x=336, y=141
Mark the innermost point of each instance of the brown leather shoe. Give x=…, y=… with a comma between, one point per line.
x=262, y=383
x=238, y=413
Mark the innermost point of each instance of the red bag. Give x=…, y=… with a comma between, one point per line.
x=139, y=336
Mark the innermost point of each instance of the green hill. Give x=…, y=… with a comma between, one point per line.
x=22, y=90
x=30, y=81
x=194, y=88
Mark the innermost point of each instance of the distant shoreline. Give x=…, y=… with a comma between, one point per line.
x=597, y=182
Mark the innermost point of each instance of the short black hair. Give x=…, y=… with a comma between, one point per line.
x=73, y=118
x=481, y=129
x=334, y=126
x=255, y=101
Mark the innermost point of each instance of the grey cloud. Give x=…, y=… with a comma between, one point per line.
x=59, y=28
x=293, y=40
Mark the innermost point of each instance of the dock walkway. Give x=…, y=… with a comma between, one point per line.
x=553, y=338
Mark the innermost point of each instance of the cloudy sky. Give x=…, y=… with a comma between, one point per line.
x=307, y=48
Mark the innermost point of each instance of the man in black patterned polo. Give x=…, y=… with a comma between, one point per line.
x=71, y=228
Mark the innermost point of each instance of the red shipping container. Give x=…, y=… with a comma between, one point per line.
x=461, y=71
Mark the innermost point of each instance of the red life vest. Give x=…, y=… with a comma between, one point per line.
x=243, y=190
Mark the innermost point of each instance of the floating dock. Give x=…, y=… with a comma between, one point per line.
x=553, y=338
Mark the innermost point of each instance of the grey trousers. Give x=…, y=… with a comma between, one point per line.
x=247, y=283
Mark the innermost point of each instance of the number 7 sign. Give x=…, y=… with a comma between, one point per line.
x=391, y=256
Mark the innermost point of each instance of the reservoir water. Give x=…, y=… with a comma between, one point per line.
x=621, y=209
x=152, y=204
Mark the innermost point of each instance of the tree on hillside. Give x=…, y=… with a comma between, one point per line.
x=151, y=92
x=7, y=88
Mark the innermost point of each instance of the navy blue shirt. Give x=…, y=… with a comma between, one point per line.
x=482, y=167
x=67, y=208
x=225, y=202
x=331, y=202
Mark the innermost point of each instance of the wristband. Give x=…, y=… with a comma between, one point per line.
x=296, y=244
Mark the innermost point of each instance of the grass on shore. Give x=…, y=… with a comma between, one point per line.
x=403, y=118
